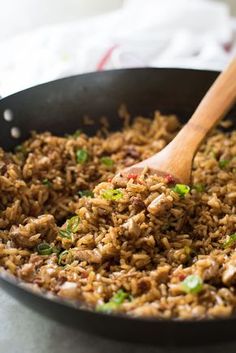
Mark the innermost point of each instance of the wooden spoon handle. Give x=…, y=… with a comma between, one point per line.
x=215, y=104
x=177, y=157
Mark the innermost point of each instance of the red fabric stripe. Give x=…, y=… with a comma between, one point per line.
x=105, y=58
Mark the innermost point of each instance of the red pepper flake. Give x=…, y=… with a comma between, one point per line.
x=109, y=180
x=132, y=176
x=169, y=179
x=182, y=276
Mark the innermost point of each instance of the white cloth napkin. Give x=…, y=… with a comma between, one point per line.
x=156, y=33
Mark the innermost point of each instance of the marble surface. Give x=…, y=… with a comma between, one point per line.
x=24, y=331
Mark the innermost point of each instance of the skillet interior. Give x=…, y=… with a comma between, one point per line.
x=59, y=107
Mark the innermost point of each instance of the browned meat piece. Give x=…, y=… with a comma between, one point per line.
x=26, y=272
x=132, y=152
x=229, y=272
x=34, y=231
x=119, y=181
x=161, y=274
x=138, y=204
x=160, y=204
x=207, y=268
x=129, y=161
x=91, y=256
x=69, y=290
x=132, y=227
x=144, y=285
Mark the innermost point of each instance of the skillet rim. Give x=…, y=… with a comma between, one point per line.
x=97, y=73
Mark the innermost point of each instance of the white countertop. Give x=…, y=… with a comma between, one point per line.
x=24, y=331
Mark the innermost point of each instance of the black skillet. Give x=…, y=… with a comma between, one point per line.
x=59, y=107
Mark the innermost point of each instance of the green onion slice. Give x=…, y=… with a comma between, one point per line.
x=76, y=134
x=86, y=193
x=62, y=257
x=64, y=234
x=82, y=156
x=21, y=149
x=199, y=187
x=120, y=297
x=107, y=161
x=181, y=189
x=73, y=224
x=192, y=284
x=56, y=250
x=114, y=303
x=44, y=249
x=47, y=182
x=112, y=194
x=230, y=241
x=223, y=163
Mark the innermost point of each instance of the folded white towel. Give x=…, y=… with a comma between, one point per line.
x=158, y=33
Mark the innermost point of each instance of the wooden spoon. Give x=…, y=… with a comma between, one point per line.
x=177, y=157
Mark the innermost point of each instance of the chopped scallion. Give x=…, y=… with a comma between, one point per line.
x=199, y=187
x=114, y=303
x=192, y=284
x=73, y=224
x=230, y=241
x=21, y=149
x=112, y=194
x=85, y=193
x=47, y=183
x=107, y=161
x=107, y=307
x=44, y=249
x=62, y=257
x=120, y=296
x=64, y=234
x=181, y=189
x=56, y=250
x=223, y=163
x=82, y=156
x=77, y=133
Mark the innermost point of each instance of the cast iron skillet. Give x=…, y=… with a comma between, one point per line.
x=59, y=107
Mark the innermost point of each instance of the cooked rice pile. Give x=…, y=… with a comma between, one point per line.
x=140, y=245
